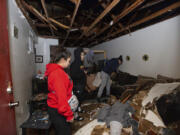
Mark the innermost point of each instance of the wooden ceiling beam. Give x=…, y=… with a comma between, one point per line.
x=72, y=20
x=146, y=19
x=149, y=4
x=104, y=13
x=101, y=16
x=150, y=17
x=37, y=14
x=19, y=3
x=121, y=15
x=118, y=17
x=44, y=7
x=46, y=14
x=41, y=25
x=58, y=23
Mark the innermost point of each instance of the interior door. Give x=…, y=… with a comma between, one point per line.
x=7, y=113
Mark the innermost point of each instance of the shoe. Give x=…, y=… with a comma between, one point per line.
x=79, y=118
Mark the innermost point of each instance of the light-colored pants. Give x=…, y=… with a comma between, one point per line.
x=106, y=82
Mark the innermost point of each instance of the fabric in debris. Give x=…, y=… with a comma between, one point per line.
x=103, y=113
x=121, y=113
x=118, y=112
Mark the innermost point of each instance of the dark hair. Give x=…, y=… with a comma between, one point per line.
x=59, y=54
x=121, y=58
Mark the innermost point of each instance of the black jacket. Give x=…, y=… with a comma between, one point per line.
x=76, y=72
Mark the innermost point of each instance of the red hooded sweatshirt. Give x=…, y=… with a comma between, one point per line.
x=60, y=90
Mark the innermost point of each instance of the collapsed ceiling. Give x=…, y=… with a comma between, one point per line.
x=86, y=23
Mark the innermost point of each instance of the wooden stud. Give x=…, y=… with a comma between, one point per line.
x=72, y=21
x=46, y=13
x=104, y=13
x=152, y=16
x=37, y=14
x=121, y=15
x=26, y=15
x=146, y=19
x=44, y=7
x=58, y=23
x=107, y=10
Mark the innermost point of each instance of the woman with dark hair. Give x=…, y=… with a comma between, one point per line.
x=60, y=92
x=78, y=75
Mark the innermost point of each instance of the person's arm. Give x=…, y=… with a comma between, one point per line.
x=60, y=88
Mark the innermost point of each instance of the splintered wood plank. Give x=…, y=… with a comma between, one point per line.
x=44, y=7
x=72, y=20
x=152, y=16
x=116, y=19
x=26, y=15
x=122, y=14
x=139, y=22
x=37, y=14
x=58, y=23
x=104, y=13
x=46, y=13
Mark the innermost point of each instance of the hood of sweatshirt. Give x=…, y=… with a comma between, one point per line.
x=77, y=54
x=51, y=67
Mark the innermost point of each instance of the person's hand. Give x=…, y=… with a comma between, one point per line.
x=70, y=121
x=85, y=71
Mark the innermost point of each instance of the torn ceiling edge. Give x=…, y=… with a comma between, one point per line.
x=98, y=18
x=158, y=90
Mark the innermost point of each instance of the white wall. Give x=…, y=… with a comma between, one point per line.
x=43, y=48
x=22, y=62
x=160, y=41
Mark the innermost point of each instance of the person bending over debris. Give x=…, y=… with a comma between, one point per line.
x=60, y=92
x=78, y=75
x=110, y=66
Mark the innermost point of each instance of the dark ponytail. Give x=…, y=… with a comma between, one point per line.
x=59, y=54
x=121, y=58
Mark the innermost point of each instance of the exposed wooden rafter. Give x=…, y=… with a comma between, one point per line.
x=146, y=19
x=104, y=13
x=44, y=7
x=19, y=3
x=120, y=16
x=152, y=16
x=72, y=20
x=97, y=20
x=46, y=14
x=58, y=23
x=37, y=14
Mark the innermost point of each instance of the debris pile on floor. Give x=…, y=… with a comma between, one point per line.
x=151, y=106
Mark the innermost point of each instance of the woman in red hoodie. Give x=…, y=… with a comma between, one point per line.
x=60, y=91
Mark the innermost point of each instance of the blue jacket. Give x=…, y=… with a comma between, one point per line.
x=111, y=66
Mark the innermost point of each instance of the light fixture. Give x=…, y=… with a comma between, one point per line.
x=111, y=23
x=75, y=29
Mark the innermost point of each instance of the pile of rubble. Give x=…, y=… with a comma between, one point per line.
x=156, y=104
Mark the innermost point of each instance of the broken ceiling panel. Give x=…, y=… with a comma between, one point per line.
x=89, y=22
